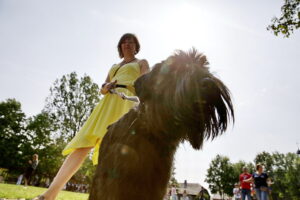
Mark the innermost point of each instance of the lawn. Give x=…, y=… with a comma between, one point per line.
x=19, y=191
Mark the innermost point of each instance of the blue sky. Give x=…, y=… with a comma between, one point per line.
x=42, y=40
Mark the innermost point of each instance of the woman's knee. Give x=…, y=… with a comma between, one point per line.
x=83, y=150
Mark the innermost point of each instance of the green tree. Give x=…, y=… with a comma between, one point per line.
x=279, y=168
x=13, y=139
x=289, y=20
x=266, y=159
x=173, y=180
x=292, y=177
x=40, y=129
x=220, y=176
x=285, y=176
x=20, y=138
x=70, y=103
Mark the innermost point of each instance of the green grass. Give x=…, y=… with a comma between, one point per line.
x=19, y=191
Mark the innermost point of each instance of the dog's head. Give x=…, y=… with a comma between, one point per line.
x=181, y=97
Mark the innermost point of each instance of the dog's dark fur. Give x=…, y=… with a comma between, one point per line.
x=179, y=100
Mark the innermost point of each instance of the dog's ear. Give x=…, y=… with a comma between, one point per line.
x=219, y=108
x=211, y=111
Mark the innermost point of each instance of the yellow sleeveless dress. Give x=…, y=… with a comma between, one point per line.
x=109, y=109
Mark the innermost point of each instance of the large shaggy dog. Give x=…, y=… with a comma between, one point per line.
x=179, y=100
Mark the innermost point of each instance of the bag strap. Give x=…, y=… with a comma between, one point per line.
x=117, y=71
x=122, y=66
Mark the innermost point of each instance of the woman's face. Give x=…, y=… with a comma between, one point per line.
x=128, y=46
x=260, y=168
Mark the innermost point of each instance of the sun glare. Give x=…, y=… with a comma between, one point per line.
x=186, y=26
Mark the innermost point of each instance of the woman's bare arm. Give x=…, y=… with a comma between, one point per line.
x=249, y=180
x=144, y=66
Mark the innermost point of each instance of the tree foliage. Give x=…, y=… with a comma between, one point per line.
x=281, y=168
x=70, y=103
x=40, y=129
x=220, y=176
x=289, y=20
x=20, y=138
x=173, y=181
x=266, y=159
x=292, y=178
x=13, y=139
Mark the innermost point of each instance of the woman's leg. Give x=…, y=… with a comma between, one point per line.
x=25, y=182
x=66, y=171
x=258, y=194
x=27, y=176
x=264, y=195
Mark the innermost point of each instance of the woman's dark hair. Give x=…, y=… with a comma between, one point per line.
x=258, y=166
x=125, y=37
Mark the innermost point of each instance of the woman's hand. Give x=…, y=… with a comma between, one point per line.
x=107, y=86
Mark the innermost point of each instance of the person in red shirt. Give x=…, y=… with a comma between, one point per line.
x=246, y=186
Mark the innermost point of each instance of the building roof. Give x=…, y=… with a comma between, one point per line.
x=191, y=189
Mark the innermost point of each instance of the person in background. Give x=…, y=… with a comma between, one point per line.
x=185, y=196
x=245, y=186
x=236, y=192
x=32, y=165
x=174, y=193
x=20, y=178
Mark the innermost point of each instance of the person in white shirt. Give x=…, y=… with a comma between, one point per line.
x=185, y=196
x=174, y=193
x=236, y=192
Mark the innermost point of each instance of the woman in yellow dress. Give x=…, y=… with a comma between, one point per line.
x=111, y=107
